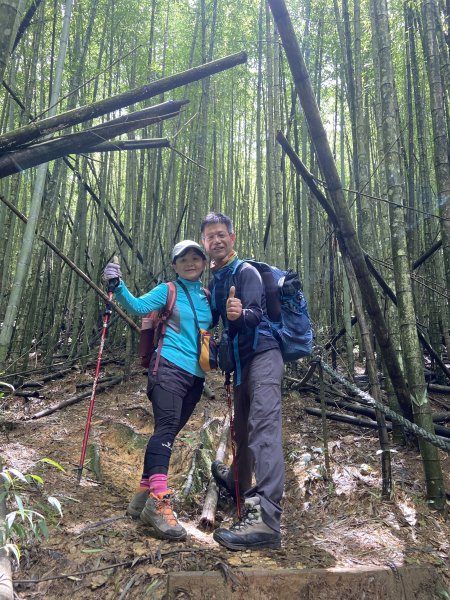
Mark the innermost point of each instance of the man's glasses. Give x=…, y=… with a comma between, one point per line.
x=220, y=236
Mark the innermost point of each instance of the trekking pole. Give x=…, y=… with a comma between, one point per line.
x=233, y=444
x=107, y=313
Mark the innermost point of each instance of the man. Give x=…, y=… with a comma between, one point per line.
x=237, y=294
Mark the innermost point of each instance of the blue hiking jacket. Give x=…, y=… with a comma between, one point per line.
x=251, y=333
x=180, y=341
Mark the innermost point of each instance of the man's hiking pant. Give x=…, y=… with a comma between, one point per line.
x=174, y=393
x=257, y=424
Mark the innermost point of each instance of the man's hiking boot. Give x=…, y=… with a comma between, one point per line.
x=250, y=532
x=158, y=513
x=222, y=477
x=137, y=503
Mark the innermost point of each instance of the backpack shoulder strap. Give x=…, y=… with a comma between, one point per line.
x=164, y=316
x=171, y=297
x=237, y=264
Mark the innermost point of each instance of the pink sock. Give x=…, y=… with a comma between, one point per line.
x=157, y=483
x=144, y=483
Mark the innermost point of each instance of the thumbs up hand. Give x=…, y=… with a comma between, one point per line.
x=234, y=305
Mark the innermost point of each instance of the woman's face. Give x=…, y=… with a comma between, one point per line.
x=190, y=265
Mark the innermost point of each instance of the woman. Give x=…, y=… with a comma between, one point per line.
x=177, y=385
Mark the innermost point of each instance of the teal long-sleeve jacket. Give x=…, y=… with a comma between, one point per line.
x=180, y=342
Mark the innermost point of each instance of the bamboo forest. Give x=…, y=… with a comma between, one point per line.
x=309, y=135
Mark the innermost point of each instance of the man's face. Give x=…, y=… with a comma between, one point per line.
x=217, y=241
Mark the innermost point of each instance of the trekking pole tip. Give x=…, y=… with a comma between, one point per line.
x=79, y=472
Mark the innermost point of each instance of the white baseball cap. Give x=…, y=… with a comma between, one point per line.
x=182, y=247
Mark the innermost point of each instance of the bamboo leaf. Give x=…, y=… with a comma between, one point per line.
x=10, y=518
x=43, y=527
x=13, y=549
x=55, y=503
x=37, y=479
x=18, y=474
x=49, y=461
x=19, y=503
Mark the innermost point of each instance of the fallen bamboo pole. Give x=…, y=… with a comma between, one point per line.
x=75, y=399
x=316, y=412
x=44, y=127
x=370, y=412
x=120, y=145
x=74, y=143
x=208, y=516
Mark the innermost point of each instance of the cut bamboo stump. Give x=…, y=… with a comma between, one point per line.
x=93, y=461
x=208, y=516
x=208, y=392
x=201, y=459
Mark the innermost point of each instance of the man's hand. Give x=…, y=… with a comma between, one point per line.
x=234, y=305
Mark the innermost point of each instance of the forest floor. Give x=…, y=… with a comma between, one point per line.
x=342, y=522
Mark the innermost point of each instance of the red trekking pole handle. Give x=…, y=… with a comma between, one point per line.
x=108, y=311
x=233, y=445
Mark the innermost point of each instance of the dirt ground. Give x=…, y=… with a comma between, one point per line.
x=337, y=522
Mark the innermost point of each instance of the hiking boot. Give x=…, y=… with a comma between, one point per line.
x=158, y=513
x=250, y=532
x=221, y=474
x=137, y=503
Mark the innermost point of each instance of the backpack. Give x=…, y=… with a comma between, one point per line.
x=153, y=329
x=287, y=309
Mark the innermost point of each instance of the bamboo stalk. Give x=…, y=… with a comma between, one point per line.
x=324, y=424
x=74, y=267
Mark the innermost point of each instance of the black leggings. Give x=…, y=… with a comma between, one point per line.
x=174, y=393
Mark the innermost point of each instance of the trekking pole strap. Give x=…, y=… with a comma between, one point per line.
x=233, y=445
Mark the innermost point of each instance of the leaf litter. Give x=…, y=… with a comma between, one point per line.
x=336, y=522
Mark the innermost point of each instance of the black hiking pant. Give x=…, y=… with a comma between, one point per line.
x=174, y=393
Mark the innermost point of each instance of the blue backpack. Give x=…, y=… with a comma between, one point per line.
x=287, y=309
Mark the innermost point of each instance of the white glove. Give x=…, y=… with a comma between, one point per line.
x=112, y=271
